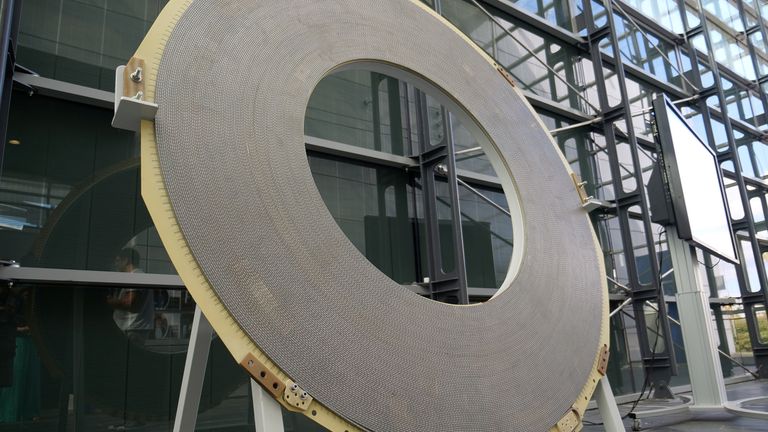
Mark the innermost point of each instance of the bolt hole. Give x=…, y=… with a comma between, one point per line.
x=314, y=413
x=274, y=386
x=262, y=374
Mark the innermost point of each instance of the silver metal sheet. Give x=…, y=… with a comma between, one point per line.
x=233, y=87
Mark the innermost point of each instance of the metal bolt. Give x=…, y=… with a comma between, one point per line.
x=304, y=395
x=139, y=95
x=441, y=169
x=294, y=387
x=136, y=75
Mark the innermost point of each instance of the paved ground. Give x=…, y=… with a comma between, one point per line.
x=232, y=415
x=701, y=423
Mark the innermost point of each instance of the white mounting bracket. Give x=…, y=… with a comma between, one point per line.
x=592, y=204
x=131, y=109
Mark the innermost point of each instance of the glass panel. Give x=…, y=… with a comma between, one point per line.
x=445, y=223
x=726, y=11
x=656, y=342
x=736, y=323
x=730, y=52
x=726, y=280
x=664, y=12
x=531, y=72
x=761, y=319
x=129, y=368
x=609, y=231
x=83, y=41
x=372, y=206
x=620, y=371
x=624, y=152
x=527, y=69
x=341, y=109
x=381, y=209
x=474, y=161
x=640, y=103
x=604, y=175
x=732, y=194
x=741, y=104
x=633, y=376
x=646, y=52
x=749, y=266
x=758, y=42
x=640, y=247
x=555, y=11
x=487, y=232
x=69, y=192
x=471, y=21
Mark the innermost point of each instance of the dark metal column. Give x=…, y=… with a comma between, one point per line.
x=447, y=281
x=659, y=363
x=9, y=28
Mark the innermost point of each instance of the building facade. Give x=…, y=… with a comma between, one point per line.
x=77, y=241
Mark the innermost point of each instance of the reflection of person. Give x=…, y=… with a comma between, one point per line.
x=134, y=308
x=21, y=399
x=7, y=336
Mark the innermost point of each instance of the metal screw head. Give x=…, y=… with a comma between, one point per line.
x=294, y=387
x=136, y=75
x=441, y=169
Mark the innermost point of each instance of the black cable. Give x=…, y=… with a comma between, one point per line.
x=711, y=266
x=660, y=296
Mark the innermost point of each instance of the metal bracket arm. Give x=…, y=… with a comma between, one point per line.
x=130, y=106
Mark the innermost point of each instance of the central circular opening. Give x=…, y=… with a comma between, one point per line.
x=407, y=178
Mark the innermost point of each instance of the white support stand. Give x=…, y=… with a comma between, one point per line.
x=699, y=335
x=267, y=414
x=606, y=404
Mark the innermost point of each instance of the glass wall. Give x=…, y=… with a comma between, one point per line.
x=379, y=207
x=70, y=191
x=82, y=364
x=83, y=41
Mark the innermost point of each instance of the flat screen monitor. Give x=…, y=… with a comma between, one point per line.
x=695, y=183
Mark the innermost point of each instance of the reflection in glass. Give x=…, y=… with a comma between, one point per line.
x=761, y=319
x=83, y=41
x=381, y=209
x=70, y=192
x=749, y=265
x=656, y=342
x=664, y=12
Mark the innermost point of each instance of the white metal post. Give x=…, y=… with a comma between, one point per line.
x=267, y=415
x=194, y=373
x=695, y=320
x=606, y=404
